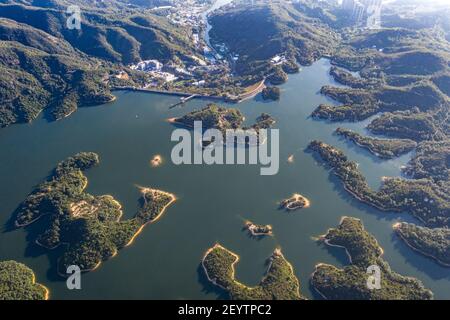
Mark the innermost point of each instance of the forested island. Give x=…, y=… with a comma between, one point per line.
x=258, y=230
x=259, y=31
x=383, y=148
x=215, y=117
x=350, y=282
x=18, y=282
x=90, y=227
x=279, y=283
x=398, y=74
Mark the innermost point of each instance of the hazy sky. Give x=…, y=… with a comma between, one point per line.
x=428, y=2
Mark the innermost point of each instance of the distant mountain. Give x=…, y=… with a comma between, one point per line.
x=33, y=80
x=124, y=39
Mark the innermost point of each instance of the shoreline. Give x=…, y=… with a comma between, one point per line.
x=296, y=197
x=277, y=253
x=373, y=205
x=135, y=235
x=236, y=260
x=427, y=255
x=46, y=290
x=311, y=277
x=168, y=93
x=160, y=214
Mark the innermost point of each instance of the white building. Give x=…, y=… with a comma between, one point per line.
x=147, y=66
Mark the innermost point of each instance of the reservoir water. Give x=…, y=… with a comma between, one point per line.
x=213, y=201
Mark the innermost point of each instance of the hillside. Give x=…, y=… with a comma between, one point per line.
x=45, y=65
x=33, y=80
x=257, y=32
x=124, y=37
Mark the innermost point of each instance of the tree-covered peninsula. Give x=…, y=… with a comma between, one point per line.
x=18, y=282
x=433, y=243
x=351, y=282
x=89, y=227
x=279, y=283
x=271, y=93
x=382, y=148
x=426, y=199
x=216, y=117
x=258, y=230
x=295, y=202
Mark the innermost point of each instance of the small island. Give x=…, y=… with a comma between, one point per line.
x=18, y=282
x=90, y=227
x=271, y=93
x=212, y=116
x=350, y=283
x=156, y=161
x=433, y=243
x=279, y=283
x=258, y=230
x=382, y=148
x=296, y=202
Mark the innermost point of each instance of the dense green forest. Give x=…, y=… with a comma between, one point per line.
x=434, y=243
x=17, y=282
x=426, y=199
x=213, y=116
x=279, y=283
x=89, y=227
x=217, y=117
x=351, y=281
x=404, y=75
x=383, y=148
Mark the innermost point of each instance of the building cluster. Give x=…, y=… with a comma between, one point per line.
x=158, y=70
x=184, y=12
x=278, y=60
x=364, y=11
x=212, y=61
